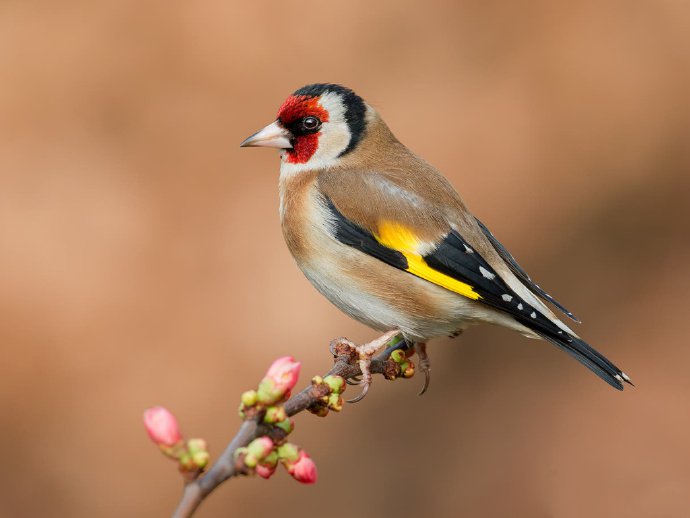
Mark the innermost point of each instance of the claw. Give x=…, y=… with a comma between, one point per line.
x=361, y=395
x=354, y=380
x=365, y=389
x=365, y=353
x=424, y=365
x=333, y=346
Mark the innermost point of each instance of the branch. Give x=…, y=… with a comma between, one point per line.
x=228, y=465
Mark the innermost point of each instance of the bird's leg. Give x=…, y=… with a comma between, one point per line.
x=365, y=352
x=424, y=364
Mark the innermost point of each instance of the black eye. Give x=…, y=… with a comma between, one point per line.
x=310, y=124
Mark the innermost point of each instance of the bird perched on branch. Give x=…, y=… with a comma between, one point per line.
x=385, y=237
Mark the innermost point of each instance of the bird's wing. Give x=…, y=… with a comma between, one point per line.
x=377, y=215
x=521, y=274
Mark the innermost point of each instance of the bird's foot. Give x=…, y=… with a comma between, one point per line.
x=424, y=364
x=365, y=352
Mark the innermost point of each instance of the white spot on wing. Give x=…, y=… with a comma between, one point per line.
x=468, y=249
x=507, y=297
x=533, y=314
x=486, y=273
x=520, y=306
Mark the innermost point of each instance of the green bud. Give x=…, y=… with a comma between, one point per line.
x=336, y=383
x=250, y=460
x=267, y=393
x=398, y=356
x=275, y=414
x=288, y=451
x=287, y=425
x=249, y=398
x=260, y=447
x=198, y=452
x=186, y=462
x=335, y=402
x=407, y=369
x=271, y=459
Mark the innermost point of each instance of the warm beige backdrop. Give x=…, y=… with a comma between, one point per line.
x=141, y=260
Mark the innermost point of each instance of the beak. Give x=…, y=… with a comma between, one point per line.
x=273, y=135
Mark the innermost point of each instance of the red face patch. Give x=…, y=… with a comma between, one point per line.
x=295, y=108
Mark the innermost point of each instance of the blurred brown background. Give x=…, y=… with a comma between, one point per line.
x=142, y=263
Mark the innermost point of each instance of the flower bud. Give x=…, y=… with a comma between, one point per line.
x=398, y=356
x=288, y=452
x=335, y=402
x=260, y=447
x=275, y=414
x=265, y=471
x=257, y=451
x=249, y=398
x=303, y=469
x=162, y=426
x=336, y=383
x=281, y=377
x=287, y=425
x=198, y=451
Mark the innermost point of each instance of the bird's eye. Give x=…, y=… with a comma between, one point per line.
x=311, y=124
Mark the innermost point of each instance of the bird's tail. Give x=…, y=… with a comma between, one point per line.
x=589, y=357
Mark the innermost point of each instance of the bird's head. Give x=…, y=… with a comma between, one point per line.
x=316, y=125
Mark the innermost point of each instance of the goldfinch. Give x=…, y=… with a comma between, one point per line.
x=385, y=237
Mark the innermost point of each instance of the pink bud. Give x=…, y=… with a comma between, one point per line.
x=303, y=469
x=265, y=471
x=161, y=426
x=260, y=447
x=281, y=377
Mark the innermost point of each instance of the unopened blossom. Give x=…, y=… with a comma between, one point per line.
x=161, y=426
x=265, y=471
x=303, y=469
x=281, y=377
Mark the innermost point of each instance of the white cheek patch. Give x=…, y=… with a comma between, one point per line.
x=333, y=138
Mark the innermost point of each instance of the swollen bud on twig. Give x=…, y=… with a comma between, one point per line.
x=249, y=398
x=198, y=453
x=281, y=377
x=257, y=450
x=405, y=366
x=275, y=414
x=303, y=469
x=161, y=426
x=286, y=425
x=267, y=467
x=192, y=455
x=265, y=471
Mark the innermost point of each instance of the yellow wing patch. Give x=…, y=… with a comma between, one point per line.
x=401, y=238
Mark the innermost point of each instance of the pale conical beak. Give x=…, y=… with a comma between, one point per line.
x=273, y=135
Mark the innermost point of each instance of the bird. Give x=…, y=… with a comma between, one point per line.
x=385, y=237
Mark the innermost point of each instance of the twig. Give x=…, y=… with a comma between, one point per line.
x=225, y=467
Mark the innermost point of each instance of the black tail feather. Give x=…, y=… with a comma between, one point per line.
x=590, y=358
